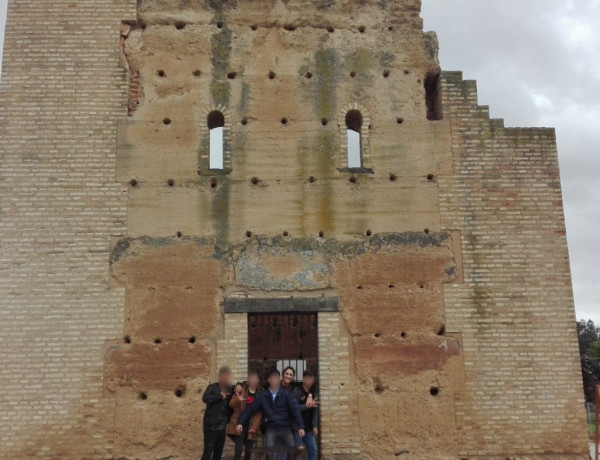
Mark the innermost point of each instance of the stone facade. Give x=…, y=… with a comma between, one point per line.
x=453, y=334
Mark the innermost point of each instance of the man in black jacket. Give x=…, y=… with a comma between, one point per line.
x=308, y=402
x=281, y=414
x=216, y=397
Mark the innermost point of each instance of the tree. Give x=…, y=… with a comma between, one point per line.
x=595, y=352
x=589, y=352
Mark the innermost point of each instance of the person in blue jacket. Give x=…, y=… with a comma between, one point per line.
x=281, y=414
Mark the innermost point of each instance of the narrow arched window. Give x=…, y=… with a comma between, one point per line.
x=216, y=122
x=353, y=130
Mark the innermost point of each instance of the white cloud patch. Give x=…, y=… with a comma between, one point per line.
x=541, y=101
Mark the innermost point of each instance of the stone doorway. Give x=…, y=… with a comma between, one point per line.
x=339, y=434
x=278, y=340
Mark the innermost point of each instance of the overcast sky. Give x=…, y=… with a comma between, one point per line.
x=3, y=4
x=537, y=63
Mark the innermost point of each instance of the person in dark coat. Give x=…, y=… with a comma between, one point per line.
x=216, y=397
x=308, y=401
x=281, y=414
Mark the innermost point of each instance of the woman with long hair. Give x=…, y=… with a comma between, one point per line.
x=243, y=396
x=287, y=378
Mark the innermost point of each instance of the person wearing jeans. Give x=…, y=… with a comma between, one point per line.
x=308, y=401
x=216, y=397
x=281, y=415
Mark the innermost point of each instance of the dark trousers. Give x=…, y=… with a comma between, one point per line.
x=279, y=437
x=214, y=440
x=240, y=442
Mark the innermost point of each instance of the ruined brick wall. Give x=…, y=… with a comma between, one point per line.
x=515, y=309
x=123, y=247
x=61, y=95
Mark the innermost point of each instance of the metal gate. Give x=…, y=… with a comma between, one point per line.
x=278, y=340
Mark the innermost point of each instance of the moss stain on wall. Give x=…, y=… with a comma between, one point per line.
x=220, y=210
x=326, y=147
x=325, y=86
x=220, y=45
x=362, y=62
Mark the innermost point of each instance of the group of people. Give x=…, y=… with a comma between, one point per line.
x=286, y=413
